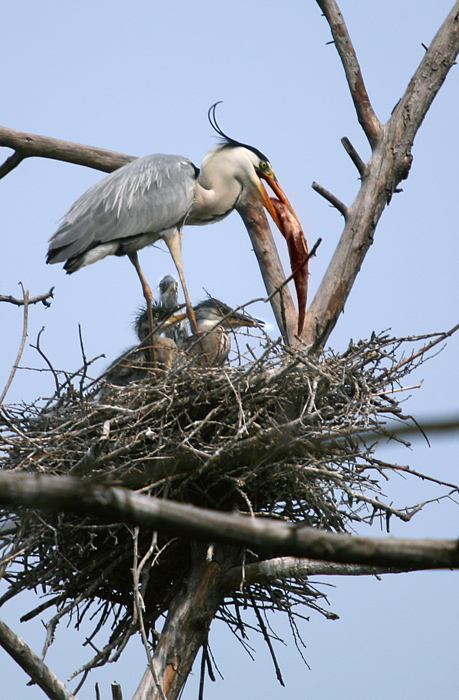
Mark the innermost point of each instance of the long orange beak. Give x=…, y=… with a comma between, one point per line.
x=280, y=194
x=288, y=224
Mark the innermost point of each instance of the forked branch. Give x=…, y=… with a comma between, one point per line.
x=389, y=164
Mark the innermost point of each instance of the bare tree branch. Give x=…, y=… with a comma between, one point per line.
x=11, y=163
x=255, y=221
x=389, y=164
x=334, y=201
x=116, y=691
x=44, y=298
x=282, y=568
x=352, y=153
x=21, y=347
x=27, y=145
x=33, y=665
x=367, y=118
x=270, y=537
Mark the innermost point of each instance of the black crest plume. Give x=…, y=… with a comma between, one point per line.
x=227, y=140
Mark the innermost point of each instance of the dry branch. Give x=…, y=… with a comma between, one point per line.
x=44, y=298
x=27, y=145
x=365, y=113
x=116, y=504
x=22, y=344
x=33, y=665
x=284, y=568
x=389, y=164
x=254, y=218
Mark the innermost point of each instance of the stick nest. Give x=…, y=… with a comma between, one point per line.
x=282, y=437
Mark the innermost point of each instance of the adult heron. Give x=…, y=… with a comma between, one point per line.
x=153, y=197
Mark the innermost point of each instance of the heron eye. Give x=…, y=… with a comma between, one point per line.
x=263, y=165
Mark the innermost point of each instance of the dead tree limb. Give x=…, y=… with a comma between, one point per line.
x=255, y=221
x=185, y=630
x=365, y=113
x=269, y=538
x=22, y=344
x=33, y=665
x=283, y=568
x=44, y=298
x=389, y=164
x=26, y=145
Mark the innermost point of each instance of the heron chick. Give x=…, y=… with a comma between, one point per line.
x=133, y=365
x=214, y=318
x=168, y=300
x=153, y=197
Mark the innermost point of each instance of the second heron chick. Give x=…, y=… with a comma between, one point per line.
x=168, y=300
x=214, y=318
x=134, y=364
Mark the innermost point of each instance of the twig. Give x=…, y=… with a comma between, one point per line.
x=267, y=639
x=10, y=163
x=425, y=349
x=334, y=201
x=34, y=300
x=23, y=340
x=356, y=159
x=85, y=362
x=48, y=362
x=139, y=606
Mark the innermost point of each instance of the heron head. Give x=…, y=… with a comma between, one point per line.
x=256, y=167
x=162, y=320
x=168, y=292
x=168, y=284
x=215, y=312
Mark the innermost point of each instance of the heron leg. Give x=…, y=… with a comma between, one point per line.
x=174, y=243
x=147, y=293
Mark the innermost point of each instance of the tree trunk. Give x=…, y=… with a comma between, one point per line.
x=185, y=630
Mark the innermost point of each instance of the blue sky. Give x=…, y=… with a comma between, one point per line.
x=139, y=77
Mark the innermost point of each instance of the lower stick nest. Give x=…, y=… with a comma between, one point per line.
x=289, y=436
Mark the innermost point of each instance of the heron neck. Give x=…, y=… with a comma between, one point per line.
x=216, y=195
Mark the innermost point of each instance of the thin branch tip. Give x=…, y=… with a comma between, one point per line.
x=354, y=156
x=331, y=198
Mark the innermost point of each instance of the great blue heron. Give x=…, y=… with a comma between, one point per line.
x=153, y=197
x=168, y=300
x=134, y=364
x=214, y=318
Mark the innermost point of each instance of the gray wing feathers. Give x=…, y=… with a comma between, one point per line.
x=149, y=195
